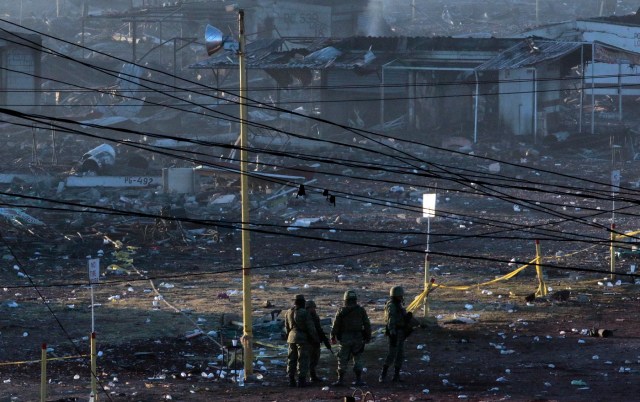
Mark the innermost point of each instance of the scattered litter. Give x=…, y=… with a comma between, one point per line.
x=12, y=304
x=578, y=383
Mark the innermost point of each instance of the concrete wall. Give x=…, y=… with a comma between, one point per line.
x=20, y=80
x=517, y=101
x=623, y=36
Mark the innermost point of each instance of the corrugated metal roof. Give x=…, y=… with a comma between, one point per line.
x=369, y=53
x=261, y=51
x=529, y=53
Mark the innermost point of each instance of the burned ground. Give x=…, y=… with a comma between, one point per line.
x=489, y=342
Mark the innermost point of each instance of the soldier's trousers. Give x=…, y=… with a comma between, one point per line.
x=298, y=360
x=395, y=356
x=350, y=350
x=314, y=356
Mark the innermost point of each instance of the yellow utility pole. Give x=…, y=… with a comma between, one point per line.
x=247, y=320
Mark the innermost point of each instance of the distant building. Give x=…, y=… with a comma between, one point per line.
x=20, y=75
x=614, y=70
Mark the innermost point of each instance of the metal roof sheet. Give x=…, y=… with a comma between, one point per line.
x=528, y=53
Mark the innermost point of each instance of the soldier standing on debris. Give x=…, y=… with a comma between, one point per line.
x=397, y=328
x=301, y=333
x=352, y=328
x=315, y=346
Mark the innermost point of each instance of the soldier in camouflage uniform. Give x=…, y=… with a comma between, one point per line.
x=397, y=324
x=301, y=332
x=352, y=328
x=314, y=358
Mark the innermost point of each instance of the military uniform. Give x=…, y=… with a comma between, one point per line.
x=301, y=332
x=396, y=325
x=314, y=353
x=352, y=328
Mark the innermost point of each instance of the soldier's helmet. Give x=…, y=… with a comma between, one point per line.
x=396, y=291
x=299, y=298
x=310, y=304
x=350, y=294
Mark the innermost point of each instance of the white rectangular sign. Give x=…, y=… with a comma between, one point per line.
x=428, y=205
x=94, y=270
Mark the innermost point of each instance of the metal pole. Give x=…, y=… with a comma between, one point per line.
x=382, y=103
x=593, y=88
x=93, y=321
x=94, y=372
x=582, y=64
x=619, y=91
x=43, y=373
x=613, y=253
x=425, y=306
x=244, y=184
x=542, y=287
x=475, y=111
x=535, y=106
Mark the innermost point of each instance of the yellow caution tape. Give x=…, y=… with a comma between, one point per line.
x=627, y=234
x=570, y=254
x=38, y=361
x=418, y=301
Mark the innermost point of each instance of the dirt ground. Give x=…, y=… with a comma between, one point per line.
x=489, y=343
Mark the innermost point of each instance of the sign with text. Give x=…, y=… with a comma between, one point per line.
x=94, y=270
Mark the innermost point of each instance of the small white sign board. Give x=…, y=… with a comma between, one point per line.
x=428, y=205
x=94, y=270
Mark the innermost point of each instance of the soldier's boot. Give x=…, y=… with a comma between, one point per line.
x=292, y=381
x=396, y=375
x=358, y=382
x=383, y=373
x=314, y=377
x=302, y=382
x=340, y=382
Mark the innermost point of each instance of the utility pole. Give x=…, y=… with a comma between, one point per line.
x=247, y=319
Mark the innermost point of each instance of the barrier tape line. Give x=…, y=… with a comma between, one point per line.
x=418, y=300
x=571, y=254
x=38, y=361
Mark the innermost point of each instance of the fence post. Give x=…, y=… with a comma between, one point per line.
x=94, y=372
x=612, y=252
x=43, y=373
x=542, y=287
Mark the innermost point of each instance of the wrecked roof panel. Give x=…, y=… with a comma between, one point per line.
x=529, y=53
x=257, y=51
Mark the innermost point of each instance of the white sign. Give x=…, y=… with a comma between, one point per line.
x=428, y=205
x=94, y=270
